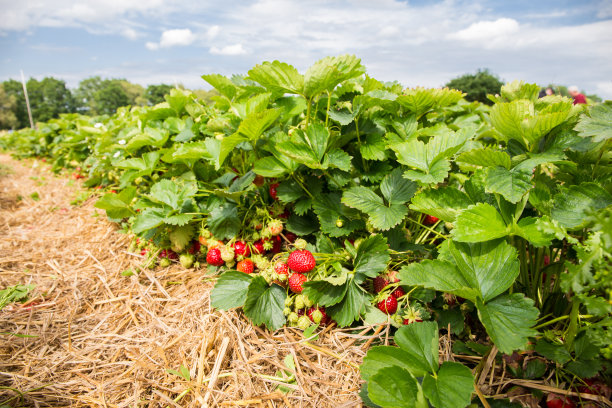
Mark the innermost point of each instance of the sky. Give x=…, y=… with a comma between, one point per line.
x=416, y=42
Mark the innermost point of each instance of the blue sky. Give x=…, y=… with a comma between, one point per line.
x=415, y=42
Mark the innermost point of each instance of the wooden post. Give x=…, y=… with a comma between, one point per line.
x=25, y=92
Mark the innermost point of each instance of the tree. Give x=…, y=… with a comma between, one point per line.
x=155, y=93
x=8, y=106
x=134, y=92
x=86, y=92
x=49, y=98
x=110, y=97
x=477, y=86
x=14, y=89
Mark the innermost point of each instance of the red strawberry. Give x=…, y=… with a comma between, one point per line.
x=379, y=283
x=301, y=261
x=408, y=321
x=430, y=220
x=558, y=401
x=284, y=215
x=281, y=268
x=144, y=251
x=313, y=316
x=398, y=293
x=295, y=282
x=195, y=247
x=213, y=257
x=245, y=266
x=277, y=242
x=273, y=188
x=241, y=248
x=258, y=247
x=388, y=305
x=290, y=236
x=113, y=191
x=546, y=260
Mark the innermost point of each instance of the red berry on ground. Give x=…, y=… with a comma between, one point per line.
x=430, y=220
x=259, y=180
x=324, y=318
x=295, y=282
x=301, y=261
x=273, y=188
x=247, y=266
x=388, y=305
x=213, y=257
x=559, y=401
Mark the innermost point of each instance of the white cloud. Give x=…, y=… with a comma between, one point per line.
x=173, y=38
x=487, y=33
x=212, y=32
x=235, y=49
x=130, y=33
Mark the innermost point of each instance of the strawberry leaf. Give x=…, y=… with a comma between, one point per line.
x=480, y=222
x=223, y=221
x=381, y=216
x=328, y=72
x=508, y=320
x=329, y=209
x=324, y=293
x=264, y=304
x=438, y=275
x=572, y=204
x=372, y=258
x=351, y=307
x=230, y=290
x=451, y=388
x=393, y=387
x=485, y=157
x=596, y=123
x=511, y=184
x=444, y=202
x=420, y=342
x=278, y=77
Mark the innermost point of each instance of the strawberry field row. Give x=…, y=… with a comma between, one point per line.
x=331, y=197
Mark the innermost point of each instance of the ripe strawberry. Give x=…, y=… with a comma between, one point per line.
x=388, y=305
x=430, y=220
x=409, y=321
x=558, y=401
x=276, y=244
x=379, y=283
x=241, y=248
x=317, y=315
x=290, y=236
x=273, y=188
x=295, y=282
x=284, y=215
x=245, y=266
x=398, y=293
x=144, y=251
x=213, y=257
x=281, y=268
x=258, y=247
x=546, y=260
x=301, y=261
x=195, y=247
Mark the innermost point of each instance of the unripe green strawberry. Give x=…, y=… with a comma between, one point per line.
x=196, y=264
x=164, y=262
x=293, y=318
x=288, y=301
x=449, y=226
x=299, y=302
x=308, y=302
x=261, y=262
x=339, y=223
x=287, y=311
x=274, y=276
x=316, y=316
x=300, y=243
x=357, y=242
x=283, y=278
x=275, y=227
x=369, y=227
x=227, y=253
x=230, y=264
x=132, y=247
x=266, y=234
x=303, y=322
x=186, y=260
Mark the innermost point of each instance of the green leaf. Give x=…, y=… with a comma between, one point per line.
x=480, y=222
x=439, y=275
x=257, y=122
x=572, y=204
x=117, y=206
x=508, y=320
x=367, y=201
x=222, y=84
x=485, y=157
x=584, y=368
x=181, y=236
x=302, y=225
x=230, y=290
x=192, y=151
x=597, y=123
x=264, y=304
x=451, y=388
x=329, y=209
x=420, y=342
x=172, y=193
x=397, y=190
x=554, y=352
x=228, y=144
x=344, y=116
x=393, y=387
x=270, y=166
x=14, y=293
x=371, y=258
x=379, y=357
x=148, y=219
x=337, y=159
x=223, y=221
x=350, y=308
x=328, y=72
x=278, y=77
x=511, y=184
x=324, y=293
x=532, y=230
x=444, y=203
x=373, y=147
x=489, y=267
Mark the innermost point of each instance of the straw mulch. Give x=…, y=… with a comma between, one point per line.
x=100, y=339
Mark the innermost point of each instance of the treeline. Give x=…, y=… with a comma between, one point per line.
x=94, y=96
